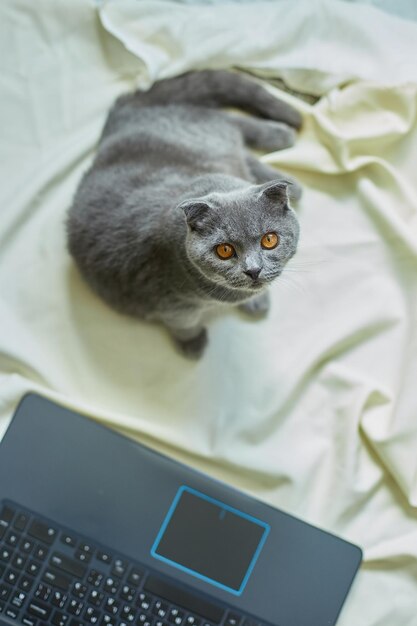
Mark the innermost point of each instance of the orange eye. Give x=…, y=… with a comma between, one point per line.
x=225, y=251
x=270, y=241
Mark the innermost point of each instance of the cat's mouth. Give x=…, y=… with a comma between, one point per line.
x=252, y=285
x=257, y=284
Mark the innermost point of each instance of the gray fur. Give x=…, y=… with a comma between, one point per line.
x=172, y=179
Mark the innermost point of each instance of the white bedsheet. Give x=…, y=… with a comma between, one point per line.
x=313, y=44
x=314, y=409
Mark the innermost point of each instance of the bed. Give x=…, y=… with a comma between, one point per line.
x=314, y=409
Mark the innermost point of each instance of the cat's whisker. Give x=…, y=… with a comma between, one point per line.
x=288, y=282
x=290, y=287
x=296, y=270
x=310, y=263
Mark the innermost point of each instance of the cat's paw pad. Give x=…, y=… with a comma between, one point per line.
x=193, y=348
x=258, y=306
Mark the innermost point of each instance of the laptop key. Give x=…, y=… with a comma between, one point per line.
x=19, y=561
x=39, y=609
x=26, y=545
x=86, y=547
x=12, y=539
x=84, y=557
x=58, y=599
x=127, y=614
x=7, y=514
x=21, y=521
x=5, y=555
x=40, y=552
x=18, y=599
x=160, y=608
x=104, y=557
x=128, y=593
x=68, y=540
x=26, y=583
x=11, y=612
x=95, y=597
x=144, y=600
x=43, y=592
x=233, y=619
x=111, y=605
x=33, y=568
x=92, y=615
x=95, y=578
x=5, y=591
x=75, y=607
x=111, y=585
x=79, y=590
x=191, y=620
x=176, y=617
x=60, y=619
x=135, y=576
x=11, y=577
x=63, y=563
x=27, y=620
x=56, y=579
x=119, y=568
x=41, y=531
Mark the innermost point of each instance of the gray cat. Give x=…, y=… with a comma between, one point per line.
x=176, y=215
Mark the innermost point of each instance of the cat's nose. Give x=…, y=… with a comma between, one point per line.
x=253, y=273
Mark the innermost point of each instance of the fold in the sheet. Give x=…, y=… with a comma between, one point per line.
x=313, y=45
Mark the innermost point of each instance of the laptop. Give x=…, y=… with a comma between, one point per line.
x=96, y=529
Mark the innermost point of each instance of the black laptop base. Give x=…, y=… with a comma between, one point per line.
x=97, y=529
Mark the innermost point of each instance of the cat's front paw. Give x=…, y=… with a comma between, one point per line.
x=257, y=306
x=194, y=347
x=279, y=136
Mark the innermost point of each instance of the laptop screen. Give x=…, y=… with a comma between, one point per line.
x=210, y=540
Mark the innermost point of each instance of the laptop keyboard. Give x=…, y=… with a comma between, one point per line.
x=49, y=575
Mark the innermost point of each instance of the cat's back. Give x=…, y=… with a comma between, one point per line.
x=171, y=135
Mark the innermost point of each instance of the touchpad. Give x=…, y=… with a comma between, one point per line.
x=210, y=540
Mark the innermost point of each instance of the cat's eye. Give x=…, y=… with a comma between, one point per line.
x=270, y=241
x=225, y=251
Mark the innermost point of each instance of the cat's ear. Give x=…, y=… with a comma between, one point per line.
x=276, y=190
x=196, y=213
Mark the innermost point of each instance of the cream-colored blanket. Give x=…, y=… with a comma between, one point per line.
x=314, y=409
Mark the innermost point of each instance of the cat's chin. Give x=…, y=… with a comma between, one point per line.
x=261, y=286
x=255, y=286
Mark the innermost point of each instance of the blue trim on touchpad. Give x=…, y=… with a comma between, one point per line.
x=179, y=544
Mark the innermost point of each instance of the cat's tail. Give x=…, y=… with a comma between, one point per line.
x=217, y=88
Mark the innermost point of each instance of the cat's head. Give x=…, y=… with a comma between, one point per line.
x=242, y=239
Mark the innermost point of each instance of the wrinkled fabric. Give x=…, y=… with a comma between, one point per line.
x=314, y=409
x=314, y=45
